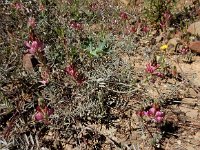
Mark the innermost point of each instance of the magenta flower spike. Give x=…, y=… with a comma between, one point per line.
x=76, y=25
x=70, y=70
x=39, y=116
x=152, y=111
x=146, y=113
x=153, y=114
x=159, y=114
x=159, y=119
x=150, y=68
x=33, y=46
x=123, y=15
x=42, y=114
x=159, y=74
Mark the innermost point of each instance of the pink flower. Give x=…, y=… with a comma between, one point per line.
x=167, y=16
x=39, y=116
x=151, y=68
x=184, y=50
x=153, y=114
x=123, y=15
x=159, y=74
x=18, y=6
x=42, y=114
x=145, y=29
x=146, y=113
x=70, y=70
x=159, y=114
x=34, y=46
x=44, y=82
x=159, y=119
x=140, y=113
x=31, y=22
x=152, y=111
x=130, y=30
x=76, y=25
x=50, y=111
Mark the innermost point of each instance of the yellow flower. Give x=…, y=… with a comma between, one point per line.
x=164, y=47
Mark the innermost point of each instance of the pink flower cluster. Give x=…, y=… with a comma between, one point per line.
x=184, y=50
x=70, y=70
x=153, y=113
x=145, y=28
x=139, y=26
x=151, y=69
x=75, y=25
x=18, y=6
x=42, y=114
x=165, y=20
x=123, y=15
x=33, y=46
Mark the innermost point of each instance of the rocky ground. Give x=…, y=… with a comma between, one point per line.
x=97, y=108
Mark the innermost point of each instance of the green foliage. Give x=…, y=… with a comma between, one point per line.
x=101, y=48
x=90, y=70
x=154, y=9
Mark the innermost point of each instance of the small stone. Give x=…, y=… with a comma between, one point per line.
x=190, y=147
x=197, y=136
x=171, y=29
x=194, y=28
x=67, y=147
x=179, y=142
x=159, y=38
x=192, y=113
x=192, y=38
x=27, y=63
x=172, y=43
x=190, y=137
x=192, y=93
x=190, y=101
x=184, y=133
x=195, y=46
x=154, y=32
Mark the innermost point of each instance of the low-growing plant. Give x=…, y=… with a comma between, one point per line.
x=74, y=73
x=159, y=12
